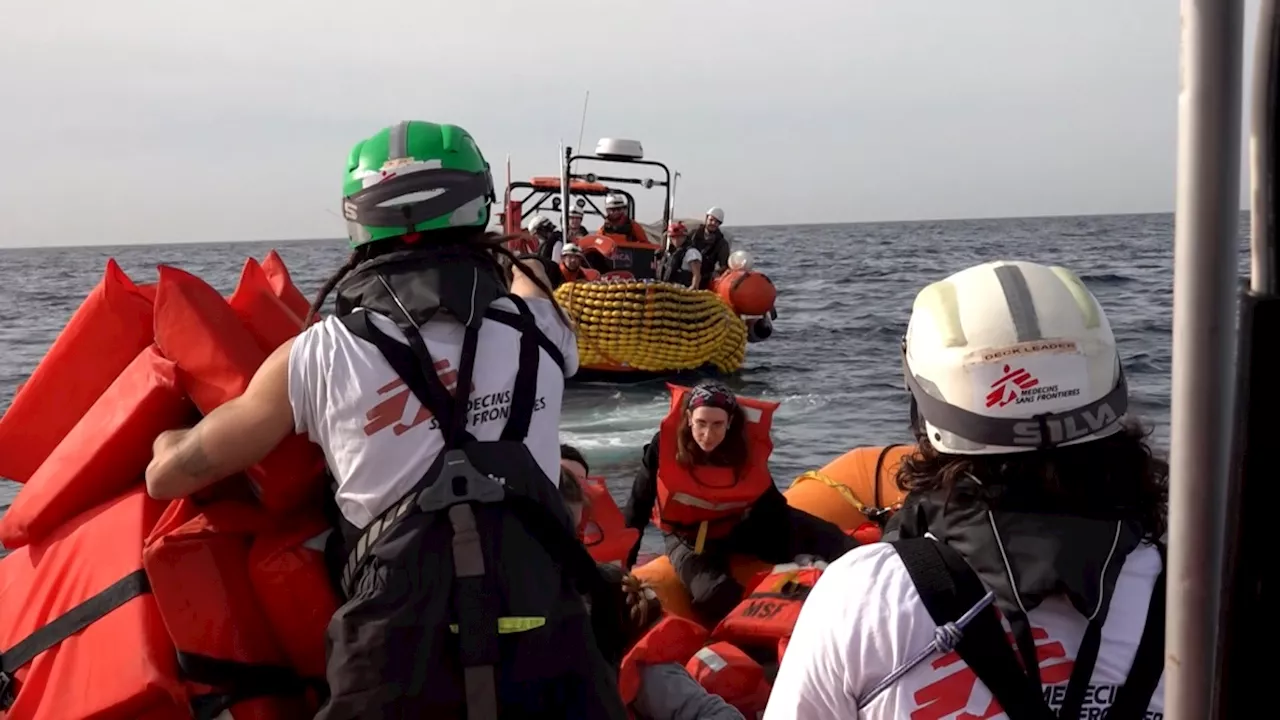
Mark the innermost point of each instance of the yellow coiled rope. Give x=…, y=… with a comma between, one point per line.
x=653, y=326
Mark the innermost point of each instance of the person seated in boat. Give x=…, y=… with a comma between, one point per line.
x=681, y=263
x=666, y=690
x=550, y=240
x=1035, y=488
x=711, y=242
x=702, y=440
x=575, y=225
x=573, y=265
x=618, y=223
x=417, y=196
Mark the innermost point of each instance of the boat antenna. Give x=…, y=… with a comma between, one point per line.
x=582, y=126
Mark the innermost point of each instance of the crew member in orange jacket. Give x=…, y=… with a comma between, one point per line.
x=573, y=265
x=618, y=223
x=708, y=474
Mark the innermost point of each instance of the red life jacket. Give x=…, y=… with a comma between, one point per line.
x=724, y=670
x=672, y=640
x=710, y=500
x=769, y=613
x=603, y=530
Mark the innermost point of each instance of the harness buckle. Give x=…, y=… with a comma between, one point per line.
x=6, y=691
x=460, y=482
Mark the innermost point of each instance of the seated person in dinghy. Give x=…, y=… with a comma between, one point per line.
x=706, y=470
x=449, y=508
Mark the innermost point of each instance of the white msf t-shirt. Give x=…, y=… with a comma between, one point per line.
x=378, y=439
x=865, y=618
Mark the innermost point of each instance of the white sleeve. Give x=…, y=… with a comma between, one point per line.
x=304, y=374
x=690, y=258
x=815, y=676
x=557, y=332
x=557, y=251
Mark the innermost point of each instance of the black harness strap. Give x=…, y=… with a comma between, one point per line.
x=457, y=485
x=69, y=623
x=948, y=591
x=245, y=681
x=949, y=588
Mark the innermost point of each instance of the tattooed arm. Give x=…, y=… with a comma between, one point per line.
x=231, y=438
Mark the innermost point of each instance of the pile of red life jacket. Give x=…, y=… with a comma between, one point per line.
x=116, y=605
x=724, y=660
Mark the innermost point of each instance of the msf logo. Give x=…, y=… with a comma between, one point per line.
x=390, y=411
x=1006, y=389
x=952, y=694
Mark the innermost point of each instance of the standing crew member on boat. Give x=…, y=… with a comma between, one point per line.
x=573, y=265
x=550, y=240
x=446, y=485
x=712, y=244
x=682, y=263
x=575, y=224
x=618, y=223
x=710, y=481
x=1036, y=491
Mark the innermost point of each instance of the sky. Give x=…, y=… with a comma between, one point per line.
x=147, y=121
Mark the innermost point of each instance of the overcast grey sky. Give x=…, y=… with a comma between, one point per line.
x=160, y=121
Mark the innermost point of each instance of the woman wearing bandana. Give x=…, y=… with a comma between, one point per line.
x=707, y=472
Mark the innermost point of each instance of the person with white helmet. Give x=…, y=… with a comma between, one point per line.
x=618, y=223
x=714, y=247
x=550, y=240
x=575, y=224
x=1027, y=565
x=573, y=265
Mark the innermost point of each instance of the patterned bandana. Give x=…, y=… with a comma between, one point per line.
x=712, y=395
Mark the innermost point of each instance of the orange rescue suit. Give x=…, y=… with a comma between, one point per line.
x=706, y=499
x=583, y=273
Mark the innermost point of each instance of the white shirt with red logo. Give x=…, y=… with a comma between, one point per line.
x=865, y=618
x=378, y=439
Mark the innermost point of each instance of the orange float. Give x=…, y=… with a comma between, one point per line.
x=218, y=356
x=104, y=454
x=105, y=334
x=842, y=492
x=746, y=291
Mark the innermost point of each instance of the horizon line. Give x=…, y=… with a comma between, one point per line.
x=295, y=241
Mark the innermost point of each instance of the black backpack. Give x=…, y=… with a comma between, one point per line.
x=962, y=608
x=467, y=594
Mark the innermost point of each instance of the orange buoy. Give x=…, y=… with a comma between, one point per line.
x=748, y=292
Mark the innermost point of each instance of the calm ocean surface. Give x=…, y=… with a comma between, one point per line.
x=845, y=293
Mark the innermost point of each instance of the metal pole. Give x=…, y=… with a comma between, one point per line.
x=1204, y=342
x=1242, y=681
x=565, y=154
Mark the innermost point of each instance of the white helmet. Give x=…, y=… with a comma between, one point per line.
x=1012, y=356
x=716, y=213
x=614, y=201
x=575, y=212
x=536, y=222
x=571, y=250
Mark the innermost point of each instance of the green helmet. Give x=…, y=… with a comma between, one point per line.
x=415, y=176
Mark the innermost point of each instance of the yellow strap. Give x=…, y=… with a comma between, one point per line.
x=508, y=625
x=844, y=490
x=702, y=538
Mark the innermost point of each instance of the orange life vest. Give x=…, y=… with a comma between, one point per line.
x=770, y=612
x=603, y=530
x=583, y=273
x=710, y=500
x=635, y=237
x=110, y=328
x=104, y=454
x=218, y=356
x=283, y=287
x=671, y=640
x=723, y=669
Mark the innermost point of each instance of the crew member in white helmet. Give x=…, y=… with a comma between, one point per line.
x=712, y=245
x=550, y=240
x=618, y=223
x=1033, y=494
x=575, y=224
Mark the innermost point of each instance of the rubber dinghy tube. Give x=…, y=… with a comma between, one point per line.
x=1240, y=680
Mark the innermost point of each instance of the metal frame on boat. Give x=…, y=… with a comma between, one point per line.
x=1223, y=375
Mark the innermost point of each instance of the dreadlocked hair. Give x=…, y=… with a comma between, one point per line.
x=487, y=247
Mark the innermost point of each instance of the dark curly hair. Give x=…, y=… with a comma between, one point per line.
x=1118, y=476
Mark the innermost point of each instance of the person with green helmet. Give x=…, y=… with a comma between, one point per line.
x=435, y=392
